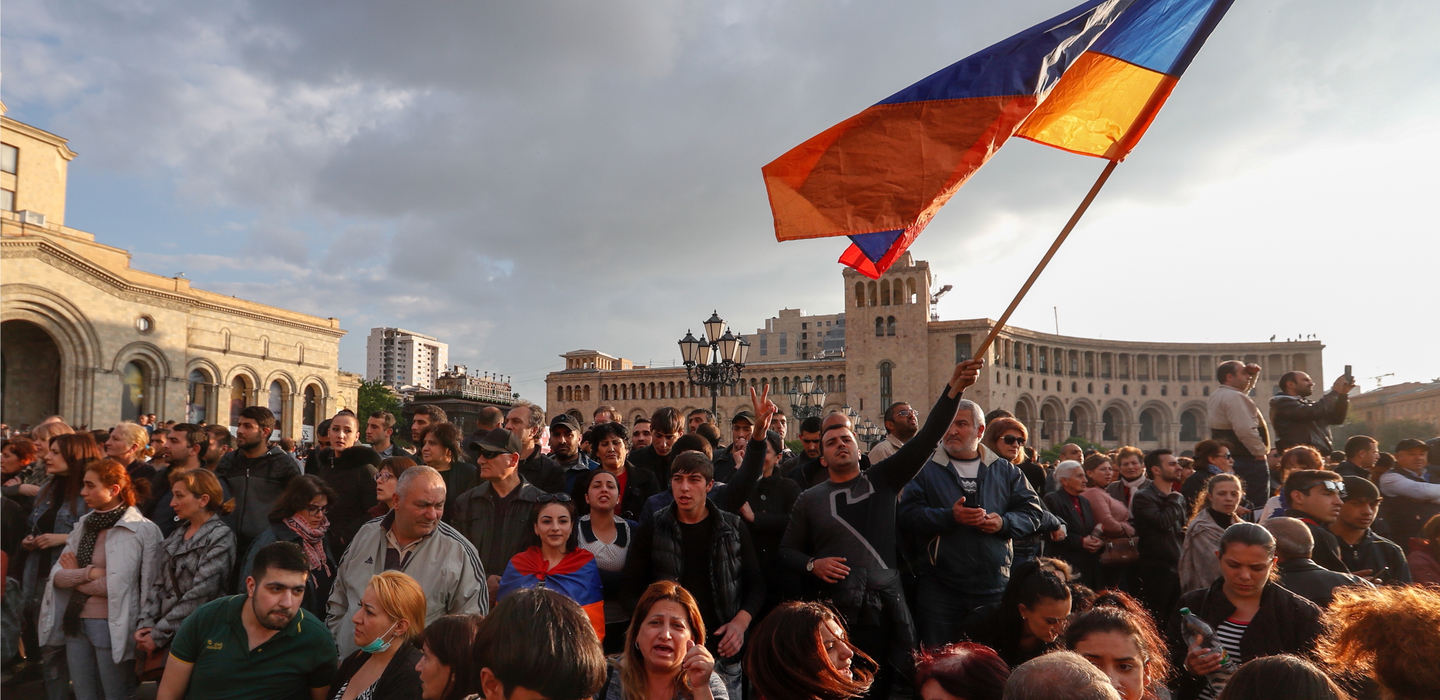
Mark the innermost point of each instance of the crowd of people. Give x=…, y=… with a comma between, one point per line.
x=663, y=561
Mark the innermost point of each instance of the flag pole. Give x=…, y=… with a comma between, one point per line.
x=1065, y=232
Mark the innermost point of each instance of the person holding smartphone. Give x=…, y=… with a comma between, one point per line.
x=1300, y=421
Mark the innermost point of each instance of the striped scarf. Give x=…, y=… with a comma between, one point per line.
x=313, y=541
x=94, y=525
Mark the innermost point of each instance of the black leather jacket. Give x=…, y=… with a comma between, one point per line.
x=1301, y=422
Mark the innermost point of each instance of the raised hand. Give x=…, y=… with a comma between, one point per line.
x=765, y=409
x=966, y=373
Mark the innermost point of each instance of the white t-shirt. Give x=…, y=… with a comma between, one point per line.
x=969, y=472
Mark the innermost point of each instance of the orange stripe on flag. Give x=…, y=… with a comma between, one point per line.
x=889, y=167
x=1100, y=108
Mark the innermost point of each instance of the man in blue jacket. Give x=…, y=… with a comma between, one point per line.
x=965, y=506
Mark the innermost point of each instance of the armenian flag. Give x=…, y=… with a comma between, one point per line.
x=576, y=577
x=1088, y=81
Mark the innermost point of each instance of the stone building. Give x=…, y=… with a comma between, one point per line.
x=1417, y=401
x=895, y=349
x=89, y=338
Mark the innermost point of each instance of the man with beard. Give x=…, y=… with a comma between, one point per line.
x=842, y=532
x=965, y=505
x=185, y=444
x=901, y=424
x=1299, y=421
x=258, y=645
x=565, y=434
x=257, y=473
x=640, y=435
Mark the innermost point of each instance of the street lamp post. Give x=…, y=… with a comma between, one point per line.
x=715, y=362
x=807, y=400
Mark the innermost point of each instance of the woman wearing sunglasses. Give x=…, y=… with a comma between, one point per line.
x=556, y=562
x=1007, y=437
x=301, y=515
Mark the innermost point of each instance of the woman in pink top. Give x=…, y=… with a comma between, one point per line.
x=1113, y=516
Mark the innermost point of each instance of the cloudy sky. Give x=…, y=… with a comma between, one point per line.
x=525, y=178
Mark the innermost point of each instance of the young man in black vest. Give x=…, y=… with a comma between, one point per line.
x=709, y=552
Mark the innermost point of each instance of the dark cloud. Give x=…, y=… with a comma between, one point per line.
x=522, y=179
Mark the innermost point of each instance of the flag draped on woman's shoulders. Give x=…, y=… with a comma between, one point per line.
x=576, y=576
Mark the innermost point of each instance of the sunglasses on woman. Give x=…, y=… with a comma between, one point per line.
x=553, y=498
x=1012, y=440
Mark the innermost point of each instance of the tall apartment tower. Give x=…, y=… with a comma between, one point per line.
x=397, y=357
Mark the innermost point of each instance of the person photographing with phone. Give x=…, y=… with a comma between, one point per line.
x=1300, y=421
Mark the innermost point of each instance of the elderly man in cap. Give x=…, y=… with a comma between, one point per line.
x=1412, y=497
x=494, y=516
x=741, y=426
x=565, y=436
x=1365, y=553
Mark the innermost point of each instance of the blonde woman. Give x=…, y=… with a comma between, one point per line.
x=391, y=614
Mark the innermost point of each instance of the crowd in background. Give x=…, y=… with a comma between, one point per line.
x=674, y=558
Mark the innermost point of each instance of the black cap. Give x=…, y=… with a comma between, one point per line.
x=1360, y=487
x=497, y=441
x=1411, y=444
x=745, y=416
x=566, y=420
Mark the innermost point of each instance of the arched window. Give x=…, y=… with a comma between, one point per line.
x=1144, y=390
x=859, y=294
x=842, y=386
x=1073, y=386
x=884, y=292
x=1164, y=390
x=277, y=406
x=886, y=387
x=199, y=392
x=873, y=295
x=605, y=393
x=1147, y=425
x=879, y=329
x=239, y=397
x=132, y=391
x=890, y=326
x=912, y=297
x=312, y=404
x=1189, y=427
x=1125, y=389
x=560, y=394
x=830, y=384
x=1184, y=391
x=1089, y=387
x=1111, y=419
x=785, y=387
x=1044, y=385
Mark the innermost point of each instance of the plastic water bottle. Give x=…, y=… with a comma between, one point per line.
x=1199, y=634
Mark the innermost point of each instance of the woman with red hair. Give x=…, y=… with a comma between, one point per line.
x=801, y=651
x=93, y=598
x=964, y=671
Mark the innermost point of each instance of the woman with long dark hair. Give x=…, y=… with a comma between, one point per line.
x=301, y=515
x=556, y=563
x=1249, y=616
x=58, y=507
x=1215, y=510
x=611, y=443
x=801, y=651
x=1119, y=638
x=93, y=599
x=1031, y=614
x=447, y=663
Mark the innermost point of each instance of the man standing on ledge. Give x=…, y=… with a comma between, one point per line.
x=1235, y=421
x=842, y=531
x=1302, y=422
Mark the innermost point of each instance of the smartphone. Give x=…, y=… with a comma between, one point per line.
x=1348, y=373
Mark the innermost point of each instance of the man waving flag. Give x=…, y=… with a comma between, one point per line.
x=1088, y=81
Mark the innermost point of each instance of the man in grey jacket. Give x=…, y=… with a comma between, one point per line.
x=410, y=539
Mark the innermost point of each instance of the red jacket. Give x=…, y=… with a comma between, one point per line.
x=1424, y=566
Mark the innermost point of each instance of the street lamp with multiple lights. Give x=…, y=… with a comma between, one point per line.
x=807, y=400
x=716, y=362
